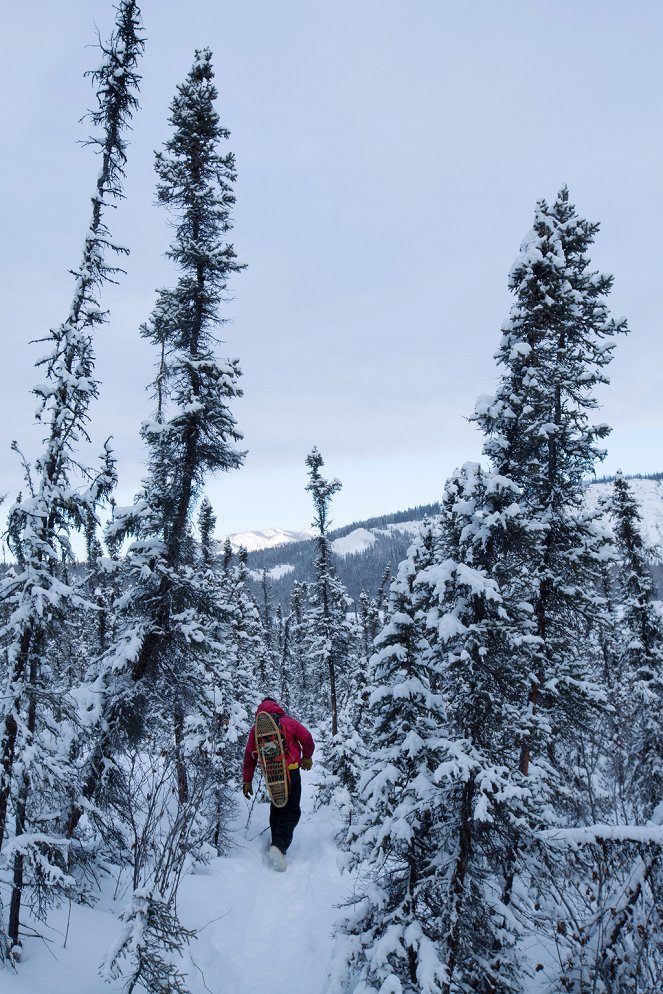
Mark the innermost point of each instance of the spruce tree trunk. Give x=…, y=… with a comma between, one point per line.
x=458, y=881
x=21, y=812
x=9, y=737
x=182, y=779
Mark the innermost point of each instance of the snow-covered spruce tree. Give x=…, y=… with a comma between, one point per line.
x=254, y=674
x=235, y=687
x=163, y=645
x=459, y=626
x=294, y=683
x=168, y=649
x=481, y=634
x=296, y=659
x=392, y=940
x=221, y=740
x=36, y=775
x=267, y=614
x=328, y=630
x=351, y=747
x=631, y=925
x=640, y=664
x=555, y=347
x=206, y=525
x=331, y=643
x=368, y=616
x=554, y=352
x=383, y=590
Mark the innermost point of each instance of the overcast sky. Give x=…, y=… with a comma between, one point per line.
x=390, y=154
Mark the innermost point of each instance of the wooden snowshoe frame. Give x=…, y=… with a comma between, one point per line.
x=271, y=755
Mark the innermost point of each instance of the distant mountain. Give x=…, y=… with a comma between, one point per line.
x=269, y=538
x=365, y=548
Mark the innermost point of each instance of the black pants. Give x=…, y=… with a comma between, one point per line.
x=282, y=821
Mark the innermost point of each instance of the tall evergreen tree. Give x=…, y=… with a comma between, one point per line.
x=508, y=608
x=554, y=351
x=481, y=634
x=40, y=598
x=327, y=626
x=252, y=671
x=163, y=637
x=295, y=657
x=391, y=942
x=640, y=657
x=173, y=647
x=457, y=644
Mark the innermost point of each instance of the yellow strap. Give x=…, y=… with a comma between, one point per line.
x=293, y=766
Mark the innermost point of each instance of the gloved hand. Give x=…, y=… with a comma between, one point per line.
x=307, y=762
x=247, y=790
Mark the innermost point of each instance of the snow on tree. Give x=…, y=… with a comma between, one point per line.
x=329, y=633
x=554, y=350
x=510, y=613
x=253, y=676
x=459, y=626
x=330, y=646
x=166, y=684
x=150, y=949
x=294, y=658
x=481, y=633
x=640, y=662
x=164, y=635
x=391, y=941
x=39, y=719
x=324, y=650
x=626, y=941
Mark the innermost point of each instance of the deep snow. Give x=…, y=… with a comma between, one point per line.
x=260, y=931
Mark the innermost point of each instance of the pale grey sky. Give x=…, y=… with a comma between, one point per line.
x=390, y=154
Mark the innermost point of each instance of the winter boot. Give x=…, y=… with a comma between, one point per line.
x=276, y=858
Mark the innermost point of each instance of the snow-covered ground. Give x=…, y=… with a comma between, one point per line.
x=259, y=930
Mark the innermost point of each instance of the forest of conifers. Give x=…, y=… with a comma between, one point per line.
x=490, y=721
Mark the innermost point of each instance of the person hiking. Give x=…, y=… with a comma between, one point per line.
x=298, y=744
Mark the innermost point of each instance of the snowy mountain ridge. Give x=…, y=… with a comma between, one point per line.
x=647, y=491
x=364, y=549
x=267, y=538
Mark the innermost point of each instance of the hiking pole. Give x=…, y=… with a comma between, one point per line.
x=255, y=798
x=254, y=837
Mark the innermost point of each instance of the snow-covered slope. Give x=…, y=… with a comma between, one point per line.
x=361, y=539
x=274, y=574
x=357, y=541
x=268, y=538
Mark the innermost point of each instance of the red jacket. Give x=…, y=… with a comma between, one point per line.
x=298, y=741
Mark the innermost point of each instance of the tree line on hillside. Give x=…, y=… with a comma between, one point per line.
x=489, y=717
x=360, y=572
x=363, y=571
